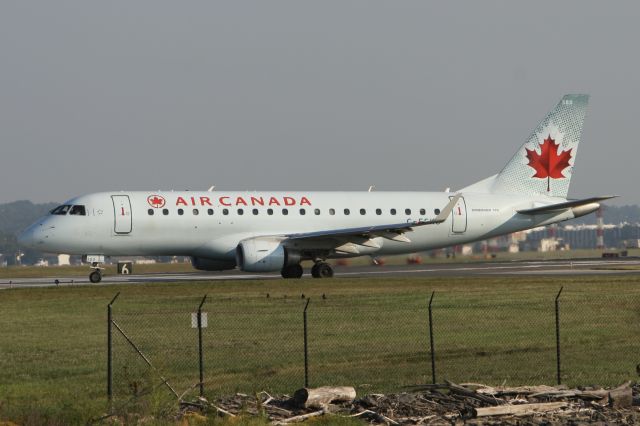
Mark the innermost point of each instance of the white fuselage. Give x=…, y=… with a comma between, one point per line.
x=211, y=224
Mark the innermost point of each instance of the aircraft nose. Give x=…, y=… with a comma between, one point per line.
x=23, y=238
x=27, y=238
x=33, y=235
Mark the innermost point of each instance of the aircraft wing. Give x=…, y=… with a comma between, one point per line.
x=565, y=205
x=394, y=231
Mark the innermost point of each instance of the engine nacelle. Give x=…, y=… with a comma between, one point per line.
x=205, y=264
x=264, y=255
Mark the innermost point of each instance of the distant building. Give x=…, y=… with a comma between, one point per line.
x=64, y=260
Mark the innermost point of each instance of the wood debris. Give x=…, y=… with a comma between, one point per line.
x=442, y=404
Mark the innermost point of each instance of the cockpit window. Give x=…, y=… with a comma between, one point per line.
x=78, y=211
x=61, y=210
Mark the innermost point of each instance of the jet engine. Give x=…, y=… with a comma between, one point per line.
x=205, y=264
x=264, y=255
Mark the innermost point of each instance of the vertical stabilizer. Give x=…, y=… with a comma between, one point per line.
x=544, y=164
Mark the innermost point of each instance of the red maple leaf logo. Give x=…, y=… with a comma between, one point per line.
x=549, y=164
x=156, y=201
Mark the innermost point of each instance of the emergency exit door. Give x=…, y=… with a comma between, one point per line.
x=121, y=214
x=459, y=217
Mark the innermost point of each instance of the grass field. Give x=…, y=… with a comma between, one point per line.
x=370, y=333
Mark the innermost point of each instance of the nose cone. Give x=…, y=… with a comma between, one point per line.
x=34, y=236
x=27, y=237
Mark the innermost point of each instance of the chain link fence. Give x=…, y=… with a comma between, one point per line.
x=249, y=345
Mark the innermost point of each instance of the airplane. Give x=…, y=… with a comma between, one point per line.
x=275, y=231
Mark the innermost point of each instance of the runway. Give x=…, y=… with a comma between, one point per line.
x=545, y=267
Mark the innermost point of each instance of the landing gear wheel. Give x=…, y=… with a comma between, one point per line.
x=314, y=270
x=322, y=270
x=95, y=277
x=292, y=271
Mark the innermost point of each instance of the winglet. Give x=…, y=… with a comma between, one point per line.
x=444, y=213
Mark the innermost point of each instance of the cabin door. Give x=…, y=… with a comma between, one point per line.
x=459, y=217
x=122, y=214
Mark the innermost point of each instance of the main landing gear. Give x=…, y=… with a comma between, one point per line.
x=292, y=271
x=319, y=270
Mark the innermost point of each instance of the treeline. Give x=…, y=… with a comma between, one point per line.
x=14, y=217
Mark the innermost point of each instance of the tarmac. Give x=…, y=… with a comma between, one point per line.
x=543, y=267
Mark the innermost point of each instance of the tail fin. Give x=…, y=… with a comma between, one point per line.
x=544, y=164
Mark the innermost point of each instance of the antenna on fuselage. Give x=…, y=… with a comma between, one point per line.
x=211, y=189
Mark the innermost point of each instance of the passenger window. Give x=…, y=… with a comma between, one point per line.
x=392, y=211
x=285, y=212
x=196, y=212
x=407, y=211
x=436, y=212
x=150, y=211
x=240, y=212
x=225, y=211
x=363, y=212
x=302, y=212
x=332, y=211
x=269, y=212
x=78, y=211
x=210, y=212
x=317, y=212
x=255, y=211
x=180, y=212
x=423, y=212
x=165, y=212
x=378, y=212
x=346, y=212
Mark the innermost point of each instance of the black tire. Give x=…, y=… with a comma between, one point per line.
x=325, y=270
x=292, y=271
x=95, y=277
x=314, y=270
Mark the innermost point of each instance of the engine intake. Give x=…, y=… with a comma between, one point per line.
x=264, y=255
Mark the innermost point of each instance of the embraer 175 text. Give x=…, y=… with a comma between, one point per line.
x=275, y=231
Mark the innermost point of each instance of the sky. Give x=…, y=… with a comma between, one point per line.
x=301, y=95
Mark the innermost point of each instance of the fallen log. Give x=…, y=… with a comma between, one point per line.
x=519, y=410
x=473, y=394
x=621, y=397
x=300, y=418
x=376, y=416
x=323, y=396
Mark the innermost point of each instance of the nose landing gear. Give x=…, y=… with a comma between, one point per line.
x=96, y=276
x=95, y=260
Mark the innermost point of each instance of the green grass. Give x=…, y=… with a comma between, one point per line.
x=369, y=333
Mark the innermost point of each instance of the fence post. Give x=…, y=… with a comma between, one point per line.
x=306, y=346
x=433, y=356
x=558, y=335
x=110, y=348
x=200, y=355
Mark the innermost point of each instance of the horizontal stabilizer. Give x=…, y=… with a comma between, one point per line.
x=565, y=205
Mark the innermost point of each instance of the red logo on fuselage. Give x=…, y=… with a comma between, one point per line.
x=229, y=201
x=156, y=201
